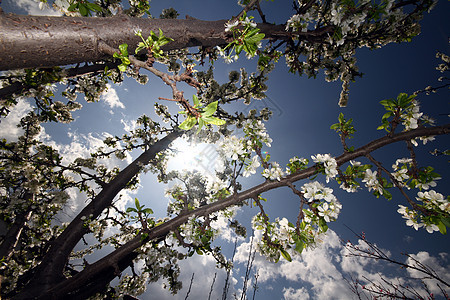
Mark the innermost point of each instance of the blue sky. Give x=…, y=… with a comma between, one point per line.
x=304, y=110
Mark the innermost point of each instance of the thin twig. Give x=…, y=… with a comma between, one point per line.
x=190, y=285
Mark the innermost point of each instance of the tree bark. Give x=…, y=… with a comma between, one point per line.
x=12, y=236
x=42, y=41
x=109, y=266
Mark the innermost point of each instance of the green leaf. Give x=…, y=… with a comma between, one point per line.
x=196, y=101
x=214, y=120
x=323, y=225
x=285, y=255
x=122, y=67
x=200, y=124
x=210, y=109
x=299, y=245
x=93, y=6
x=255, y=39
x=140, y=46
x=442, y=227
x=252, y=32
x=335, y=126
x=136, y=202
x=238, y=49
x=387, y=194
x=84, y=11
x=148, y=211
x=123, y=49
x=73, y=6
x=131, y=209
x=386, y=115
x=188, y=123
x=446, y=221
x=164, y=40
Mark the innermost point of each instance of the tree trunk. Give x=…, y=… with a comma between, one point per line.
x=12, y=236
x=42, y=41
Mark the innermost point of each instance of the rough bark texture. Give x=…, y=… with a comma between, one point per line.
x=12, y=236
x=42, y=41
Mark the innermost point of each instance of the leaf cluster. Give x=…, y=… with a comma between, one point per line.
x=84, y=7
x=394, y=108
x=204, y=117
x=153, y=43
x=123, y=56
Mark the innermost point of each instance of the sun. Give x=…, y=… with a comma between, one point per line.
x=191, y=156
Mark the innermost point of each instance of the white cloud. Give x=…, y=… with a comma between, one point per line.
x=8, y=128
x=204, y=269
x=320, y=272
x=128, y=125
x=32, y=8
x=439, y=265
x=293, y=294
x=111, y=98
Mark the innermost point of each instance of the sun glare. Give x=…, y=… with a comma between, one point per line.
x=200, y=157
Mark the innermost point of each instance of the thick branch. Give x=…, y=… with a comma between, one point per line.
x=13, y=234
x=92, y=272
x=42, y=41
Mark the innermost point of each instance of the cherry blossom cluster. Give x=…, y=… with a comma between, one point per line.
x=424, y=179
x=328, y=209
x=280, y=233
x=329, y=164
x=299, y=22
x=401, y=169
x=274, y=172
x=348, y=26
x=411, y=115
x=233, y=148
x=245, y=37
x=432, y=201
x=371, y=181
x=295, y=164
x=349, y=184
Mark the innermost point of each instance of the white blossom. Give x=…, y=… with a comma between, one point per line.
x=229, y=26
x=275, y=172
x=251, y=168
x=317, y=191
x=232, y=147
x=329, y=163
x=370, y=178
x=410, y=217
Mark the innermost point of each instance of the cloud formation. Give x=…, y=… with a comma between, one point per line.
x=110, y=97
x=8, y=128
x=319, y=273
x=32, y=8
